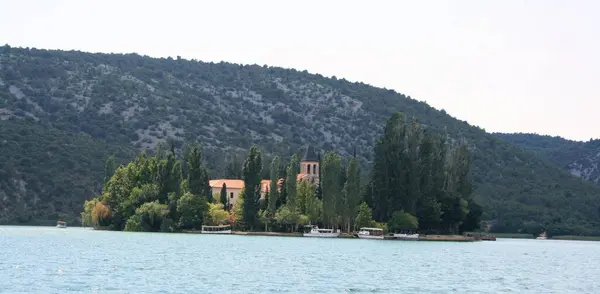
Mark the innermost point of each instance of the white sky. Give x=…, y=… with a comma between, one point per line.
x=506, y=66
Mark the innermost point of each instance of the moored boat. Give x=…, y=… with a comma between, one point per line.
x=370, y=233
x=402, y=236
x=488, y=238
x=542, y=236
x=61, y=224
x=224, y=229
x=320, y=233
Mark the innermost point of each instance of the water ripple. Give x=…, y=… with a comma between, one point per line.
x=48, y=260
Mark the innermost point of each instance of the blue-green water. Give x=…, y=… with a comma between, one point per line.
x=51, y=260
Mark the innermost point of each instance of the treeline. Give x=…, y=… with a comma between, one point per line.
x=155, y=193
x=419, y=175
x=418, y=182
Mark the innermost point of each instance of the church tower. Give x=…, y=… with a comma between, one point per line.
x=309, y=166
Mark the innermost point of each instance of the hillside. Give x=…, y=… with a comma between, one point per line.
x=84, y=106
x=581, y=159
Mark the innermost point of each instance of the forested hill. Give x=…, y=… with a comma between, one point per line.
x=582, y=159
x=63, y=112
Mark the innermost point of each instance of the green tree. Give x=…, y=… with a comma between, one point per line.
x=216, y=214
x=150, y=217
x=118, y=190
x=289, y=217
x=402, y=221
x=110, y=166
x=86, y=215
x=388, y=174
x=223, y=197
x=198, y=180
x=352, y=193
x=331, y=188
x=364, y=217
x=252, y=188
x=291, y=181
x=473, y=219
x=192, y=209
x=273, y=187
x=458, y=189
x=304, y=194
x=237, y=211
x=314, y=208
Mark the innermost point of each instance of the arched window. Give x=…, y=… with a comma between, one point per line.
x=315, y=170
x=308, y=169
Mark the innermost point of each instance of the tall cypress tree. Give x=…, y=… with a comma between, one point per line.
x=110, y=166
x=273, y=187
x=251, y=174
x=428, y=210
x=352, y=192
x=198, y=180
x=458, y=188
x=331, y=188
x=319, y=191
x=412, y=167
x=223, y=197
x=389, y=173
x=292, y=181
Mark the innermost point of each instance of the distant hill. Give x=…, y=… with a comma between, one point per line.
x=63, y=112
x=581, y=159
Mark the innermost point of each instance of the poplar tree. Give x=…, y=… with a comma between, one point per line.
x=428, y=208
x=388, y=176
x=352, y=192
x=197, y=175
x=251, y=174
x=273, y=187
x=330, y=186
x=417, y=172
x=291, y=181
x=110, y=166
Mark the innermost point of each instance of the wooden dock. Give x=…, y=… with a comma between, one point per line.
x=439, y=238
x=448, y=238
x=272, y=234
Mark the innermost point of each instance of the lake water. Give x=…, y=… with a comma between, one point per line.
x=51, y=260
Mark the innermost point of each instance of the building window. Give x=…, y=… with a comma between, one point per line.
x=315, y=169
x=231, y=195
x=308, y=169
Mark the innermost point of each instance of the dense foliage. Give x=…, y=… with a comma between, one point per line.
x=46, y=174
x=63, y=113
x=581, y=159
x=417, y=173
x=150, y=194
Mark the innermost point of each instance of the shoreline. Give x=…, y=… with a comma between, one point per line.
x=439, y=238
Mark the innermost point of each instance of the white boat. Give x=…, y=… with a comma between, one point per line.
x=370, y=233
x=320, y=233
x=542, y=236
x=61, y=224
x=225, y=229
x=403, y=236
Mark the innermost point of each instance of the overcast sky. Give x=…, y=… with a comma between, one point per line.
x=506, y=66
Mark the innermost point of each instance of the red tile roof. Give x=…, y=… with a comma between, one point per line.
x=230, y=183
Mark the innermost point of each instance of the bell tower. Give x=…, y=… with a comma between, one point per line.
x=309, y=165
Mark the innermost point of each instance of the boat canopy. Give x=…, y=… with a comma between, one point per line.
x=371, y=229
x=216, y=228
